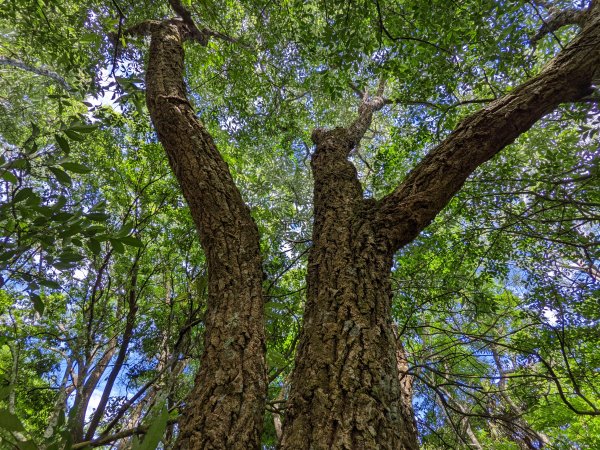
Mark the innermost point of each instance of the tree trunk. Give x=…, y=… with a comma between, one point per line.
x=346, y=388
x=121, y=355
x=345, y=392
x=225, y=408
x=59, y=403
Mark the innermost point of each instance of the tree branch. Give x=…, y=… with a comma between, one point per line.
x=142, y=429
x=186, y=16
x=352, y=134
x=429, y=187
x=384, y=30
x=203, y=33
x=559, y=19
x=127, y=335
x=37, y=70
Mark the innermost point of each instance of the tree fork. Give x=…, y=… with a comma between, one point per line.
x=345, y=392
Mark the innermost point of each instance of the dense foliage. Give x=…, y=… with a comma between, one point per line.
x=103, y=283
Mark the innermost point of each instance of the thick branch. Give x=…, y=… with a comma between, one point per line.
x=336, y=180
x=350, y=136
x=429, y=187
x=559, y=19
x=180, y=10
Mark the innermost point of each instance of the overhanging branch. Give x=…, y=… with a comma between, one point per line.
x=37, y=70
x=403, y=214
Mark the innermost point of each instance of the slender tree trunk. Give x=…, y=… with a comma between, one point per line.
x=15, y=350
x=60, y=402
x=463, y=427
x=89, y=376
x=225, y=408
x=121, y=355
x=406, y=386
x=521, y=432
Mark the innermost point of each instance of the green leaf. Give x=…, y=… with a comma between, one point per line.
x=98, y=207
x=62, y=216
x=48, y=240
x=5, y=256
x=49, y=283
x=133, y=241
x=45, y=211
x=61, y=176
x=10, y=422
x=63, y=265
x=5, y=391
x=31, y=149
x=155, y=431
x=94, y=246
x=35, y=131
x=38, y=304
x=75, y=167
x=74, y=136
x=9, y=176
x=24, y=194
x=69, y=257
x=62, y=143
x=19, y=163
x=83, y=128
x=27, y=445
x=117, y=245
x=72, y=230
x=97, y=216
x=94, y=230
x=126, y=229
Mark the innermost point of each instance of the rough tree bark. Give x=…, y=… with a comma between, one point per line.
x=346, y=392
x=225, y=408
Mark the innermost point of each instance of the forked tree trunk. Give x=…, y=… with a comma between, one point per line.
x=345, y=391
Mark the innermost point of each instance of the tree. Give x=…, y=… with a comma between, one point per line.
x=345, y=391
x=349, y=386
